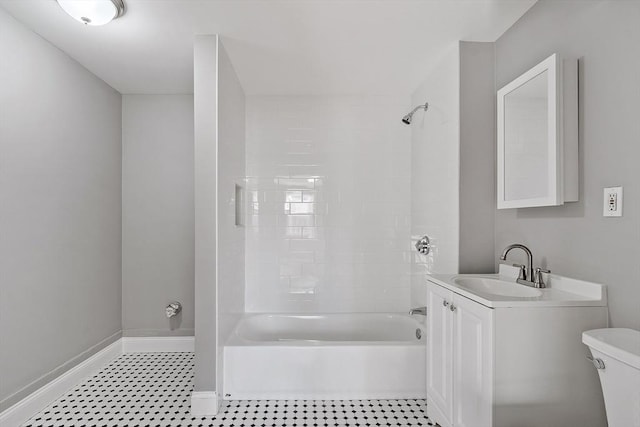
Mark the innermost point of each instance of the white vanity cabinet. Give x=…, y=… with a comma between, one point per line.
x=459, y=359
x=505, y=361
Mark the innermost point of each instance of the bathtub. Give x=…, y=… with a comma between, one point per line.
x=327, y=356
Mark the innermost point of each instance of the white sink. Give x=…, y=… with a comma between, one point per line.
x=487, y=285
x=501, y=290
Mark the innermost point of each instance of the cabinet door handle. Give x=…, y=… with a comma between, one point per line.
x=445, y=303
x=452, y=307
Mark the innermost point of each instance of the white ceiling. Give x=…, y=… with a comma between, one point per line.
x=277, y=46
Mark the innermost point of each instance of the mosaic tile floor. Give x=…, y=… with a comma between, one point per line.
x=154, y=389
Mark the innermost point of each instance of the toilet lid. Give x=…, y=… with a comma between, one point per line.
x=620, y=343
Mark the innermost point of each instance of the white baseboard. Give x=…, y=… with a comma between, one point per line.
x=39, y=399
x=45, y=395
x=204, y=404
x=157, y=344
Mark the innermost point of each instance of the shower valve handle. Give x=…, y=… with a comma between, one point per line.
x=423, y=245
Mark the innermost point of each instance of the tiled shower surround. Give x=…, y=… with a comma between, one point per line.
x=328, y=220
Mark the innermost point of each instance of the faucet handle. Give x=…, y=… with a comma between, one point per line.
x=538, y=280
x=522, y=275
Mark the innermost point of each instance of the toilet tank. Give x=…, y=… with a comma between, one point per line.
x=619, y=350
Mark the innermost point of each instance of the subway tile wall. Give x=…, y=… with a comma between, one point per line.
x=435, y=169
x=328, y=225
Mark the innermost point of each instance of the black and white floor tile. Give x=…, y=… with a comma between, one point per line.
x=154, y=389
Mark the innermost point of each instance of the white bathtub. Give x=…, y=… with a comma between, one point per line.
x=328, y=356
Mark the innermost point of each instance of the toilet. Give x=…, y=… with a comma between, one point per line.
x=616, y=355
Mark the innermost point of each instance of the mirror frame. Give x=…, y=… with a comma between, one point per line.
x=562, y=133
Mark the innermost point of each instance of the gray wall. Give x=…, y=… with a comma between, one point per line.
x=60, y=178
x=157, y=213
x=205, y=58
x=477, y=147
x=575, y=239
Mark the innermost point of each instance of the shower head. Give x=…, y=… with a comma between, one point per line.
x=407, y=119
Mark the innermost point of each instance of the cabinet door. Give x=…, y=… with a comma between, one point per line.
x=473, y=363
x=439, y=355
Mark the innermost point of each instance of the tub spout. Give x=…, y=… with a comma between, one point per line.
x=419, y=310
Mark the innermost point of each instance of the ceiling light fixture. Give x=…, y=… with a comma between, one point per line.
x=93, y=12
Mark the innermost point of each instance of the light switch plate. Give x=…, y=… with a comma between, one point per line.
x=612, y=203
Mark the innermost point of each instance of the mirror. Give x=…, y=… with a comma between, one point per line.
x=525, y=149
x=534, y=137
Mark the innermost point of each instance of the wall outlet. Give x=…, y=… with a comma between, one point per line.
x=612, y=205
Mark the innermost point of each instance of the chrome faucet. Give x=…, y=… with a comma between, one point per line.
x=524, y=274
x=528, y=275
x=419, y=310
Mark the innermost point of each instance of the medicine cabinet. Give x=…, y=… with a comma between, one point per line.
x=538, y=136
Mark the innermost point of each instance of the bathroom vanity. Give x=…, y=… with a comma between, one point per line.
x=503, y=354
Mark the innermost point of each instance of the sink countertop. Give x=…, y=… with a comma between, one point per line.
x=560, y=291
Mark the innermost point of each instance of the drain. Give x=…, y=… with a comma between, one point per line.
x=419, y=333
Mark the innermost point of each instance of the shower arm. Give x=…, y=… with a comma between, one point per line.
x=424, y=106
